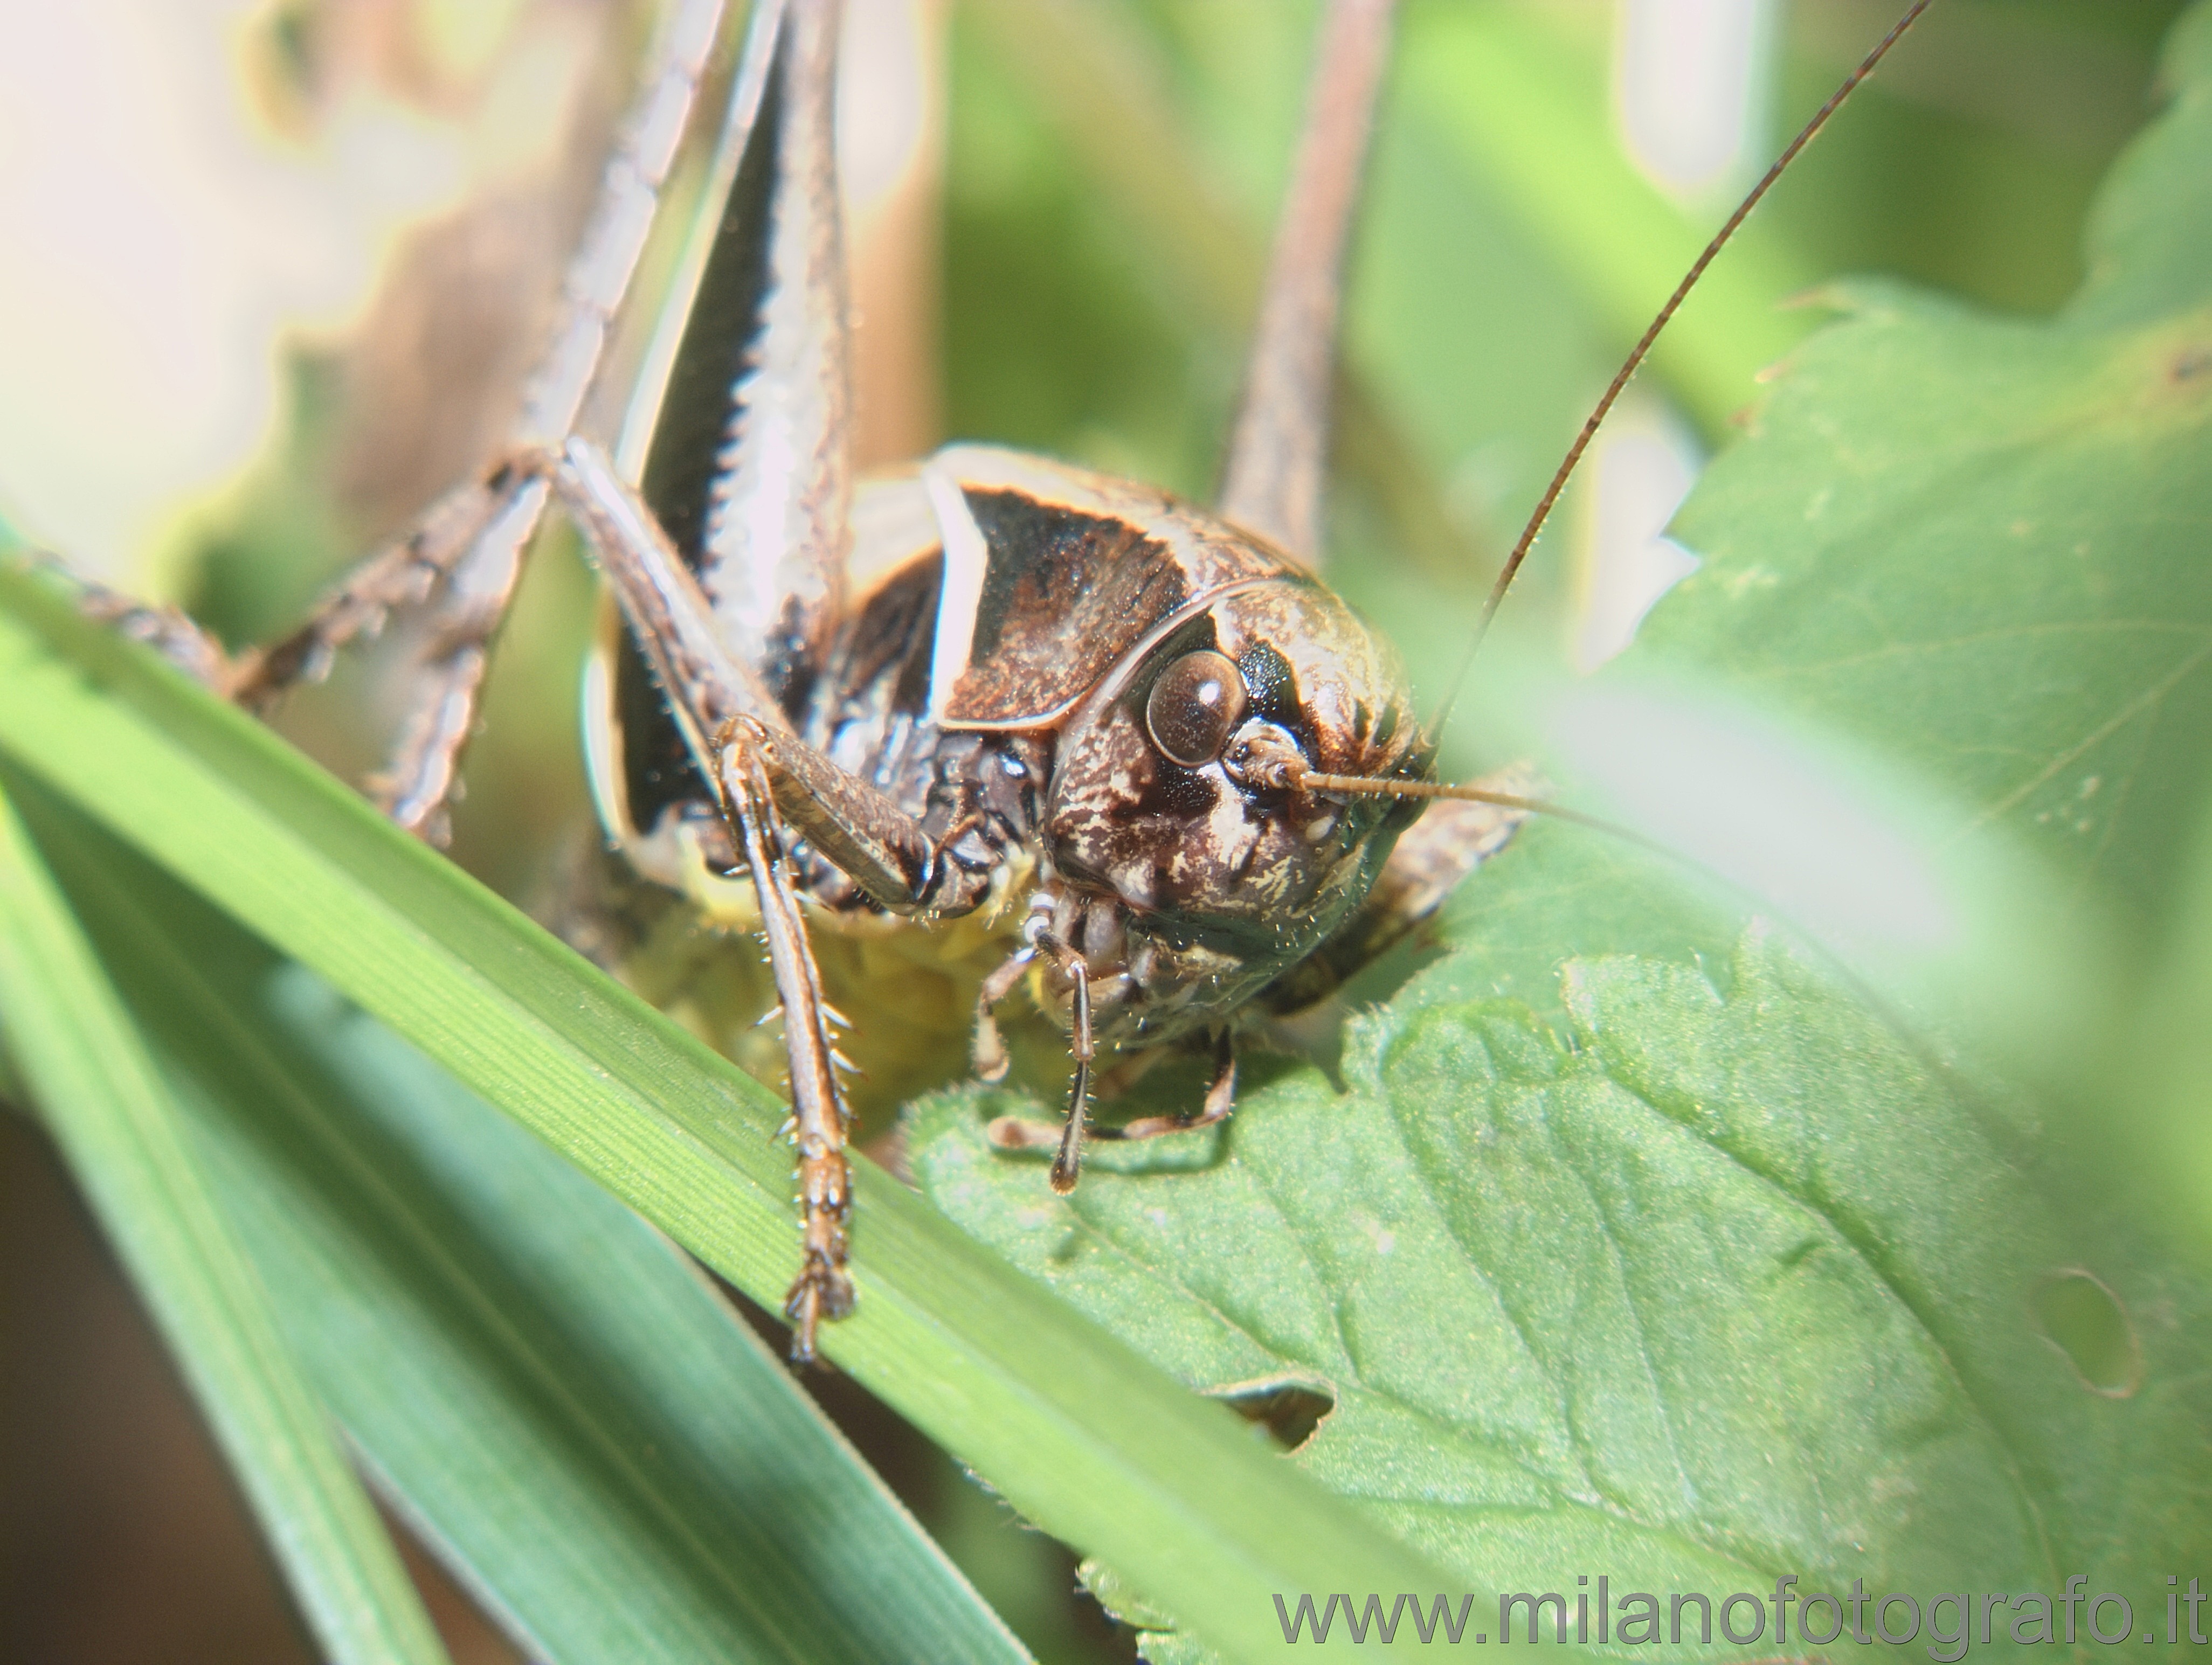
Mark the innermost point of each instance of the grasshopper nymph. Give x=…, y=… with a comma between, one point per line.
x=1141, y=733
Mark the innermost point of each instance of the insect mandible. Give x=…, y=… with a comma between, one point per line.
x=1140, y=732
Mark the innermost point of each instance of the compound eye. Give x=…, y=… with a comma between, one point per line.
x=1194, y=707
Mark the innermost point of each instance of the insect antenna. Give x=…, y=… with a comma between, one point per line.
x=1369, y=786
x=1289, y=774
x=1628, y=369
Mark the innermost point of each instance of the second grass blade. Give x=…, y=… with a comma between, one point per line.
x=119, y=1129
x=611, y=1460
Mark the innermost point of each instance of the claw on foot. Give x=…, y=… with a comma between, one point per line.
x=823, y=1293
x=1012, y=1133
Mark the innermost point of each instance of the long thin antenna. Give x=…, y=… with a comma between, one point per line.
x=1643, y=349
x=1391, y=787
x=1372, y=786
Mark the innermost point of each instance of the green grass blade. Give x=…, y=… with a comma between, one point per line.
x=1076, y=1430
x=120, y=1130
x=614, y=1463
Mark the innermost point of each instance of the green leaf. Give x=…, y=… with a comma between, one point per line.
x=605, y=1454
x=119, y=1129
x=2150, y=233
x=1978, y=542
x=1936, y=690
x=2165, y=1064
x=1960, y=557
x=1705, y=1218
x=1710, y=1290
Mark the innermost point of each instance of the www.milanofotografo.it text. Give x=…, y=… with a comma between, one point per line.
x=1949, y=1622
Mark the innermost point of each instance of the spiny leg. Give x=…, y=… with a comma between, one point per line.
x=398, y=576
x=401, y=575
x=1067, y=1165
x=167, y=630
x=1012, y=1133
x=1278, y=455
x=771, y=784
x=819, y=1116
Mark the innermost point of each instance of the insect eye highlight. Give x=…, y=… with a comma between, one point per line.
x=1194, y=707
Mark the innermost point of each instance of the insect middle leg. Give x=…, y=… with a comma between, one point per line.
x=1011, y=1132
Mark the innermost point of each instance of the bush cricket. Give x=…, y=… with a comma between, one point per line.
x=1188, y=779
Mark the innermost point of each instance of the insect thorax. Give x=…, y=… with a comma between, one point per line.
x=997, y=670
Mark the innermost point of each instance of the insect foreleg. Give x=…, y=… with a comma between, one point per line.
x=771, y=785
x=819, y=1116
x=740, y=741
x=1220, y=1101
